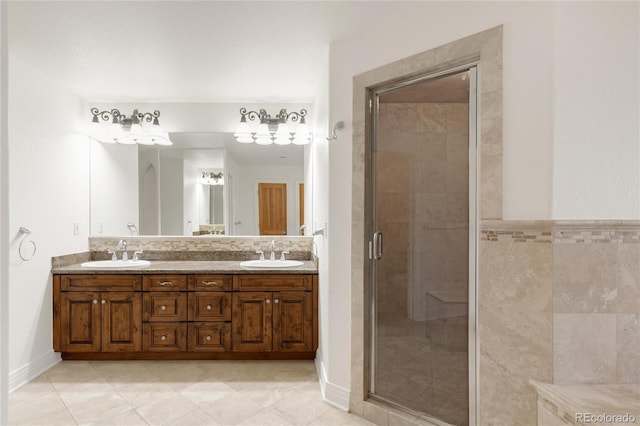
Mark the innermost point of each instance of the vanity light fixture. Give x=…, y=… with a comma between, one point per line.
x=273, y=130
x=211, y=178
x=115, y=127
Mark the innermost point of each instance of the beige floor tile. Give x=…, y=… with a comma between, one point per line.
x=265, y=417
x=336, y=417
x=96, y=406
x=194, y=418
x=37, y=408
x=204, y=393
x=300, y=410
x=139, y=394
x=265, y=395
x=232, y=409
x=126, y=418
x=164, y=410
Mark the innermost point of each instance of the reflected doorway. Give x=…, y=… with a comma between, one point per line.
x=272, y=208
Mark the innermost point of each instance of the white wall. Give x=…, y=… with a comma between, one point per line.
x=171, y=196
x=596, y=146
x=191, y=200
x=114, y=188
x=536, y=104
x=4, y=220
x=49, y=177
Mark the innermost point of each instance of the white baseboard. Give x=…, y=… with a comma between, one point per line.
x=331, y=393
x=32, y=370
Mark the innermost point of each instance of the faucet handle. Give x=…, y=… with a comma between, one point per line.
x=261, y=253
x=283, y=253
x=113, y=254
x=136, y=253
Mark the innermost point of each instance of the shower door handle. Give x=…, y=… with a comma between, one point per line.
x=377, y=245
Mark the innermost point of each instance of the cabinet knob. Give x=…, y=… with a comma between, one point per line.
x=209, y=307
x=165, y=283
x=276, y=301
x=163, y=338
x=103, y=301
x=268, y=301
x=208, y=338
x=209, y=283
x=95, y=302
x=163, y=308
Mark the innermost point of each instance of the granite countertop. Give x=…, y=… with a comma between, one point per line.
x=190, y=267
x=607, y=400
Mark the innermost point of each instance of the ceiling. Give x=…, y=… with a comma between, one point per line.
x=183, y=51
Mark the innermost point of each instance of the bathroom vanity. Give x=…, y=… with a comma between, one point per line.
x=186, y=310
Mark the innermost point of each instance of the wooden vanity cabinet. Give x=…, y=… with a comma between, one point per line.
x=277, y=321
x=185, y=316
x=164, y=312
x=96, y=315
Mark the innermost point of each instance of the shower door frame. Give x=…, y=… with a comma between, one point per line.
x=372, y=98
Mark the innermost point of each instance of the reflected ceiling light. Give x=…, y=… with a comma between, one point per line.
x=211, y=178
x=273, y=130
x=115, y=127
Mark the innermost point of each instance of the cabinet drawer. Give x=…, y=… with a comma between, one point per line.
x=165, y=337
x=272, y=282
x=164, y=282
x=210, y=282
x=98, y=282
x=209, y=336
x=164, y=306
x=209, y=306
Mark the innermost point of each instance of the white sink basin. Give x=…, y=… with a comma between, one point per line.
x=271, y=263
x=116, y=264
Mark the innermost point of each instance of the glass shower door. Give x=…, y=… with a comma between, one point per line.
x=420, y=245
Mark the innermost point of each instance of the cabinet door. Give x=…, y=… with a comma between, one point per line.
x=252, y=326
x=292, y=321
x=121, y=322
x=80, y=321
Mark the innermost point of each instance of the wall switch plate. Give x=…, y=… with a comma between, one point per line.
x=76, y=228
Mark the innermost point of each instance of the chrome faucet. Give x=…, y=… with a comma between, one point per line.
x=122, y=245
x=273, y=250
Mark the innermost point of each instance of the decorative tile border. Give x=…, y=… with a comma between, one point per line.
x=599, y=232
x=518, y=231
x=562, y=231
x=203, y=243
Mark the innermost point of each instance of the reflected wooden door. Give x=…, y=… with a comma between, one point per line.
x=272, y=208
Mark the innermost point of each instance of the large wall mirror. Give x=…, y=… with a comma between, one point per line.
x=206, y=183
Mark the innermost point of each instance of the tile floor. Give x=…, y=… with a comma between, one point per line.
x=176, y=393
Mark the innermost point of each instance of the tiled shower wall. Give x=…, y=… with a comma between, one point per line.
x=559, y=302
x=421, y=184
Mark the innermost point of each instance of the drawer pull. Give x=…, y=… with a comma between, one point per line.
x=103, y=301
x=209, y=307
x=208, y=338
x=163, y=338
x=268, y=301
x=207, y=283
x=95, y=302
x=163, y=308
x=165, y=283
x=276, y=301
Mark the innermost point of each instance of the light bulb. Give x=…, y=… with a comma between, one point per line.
x=263, y=140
